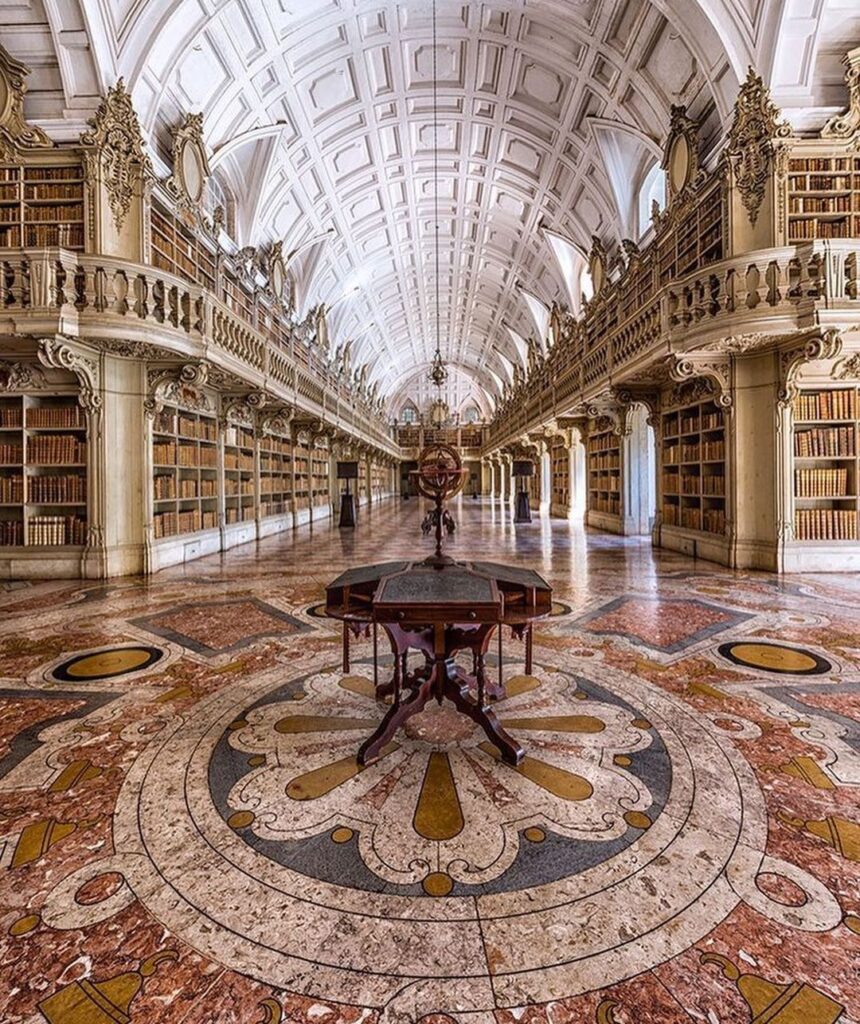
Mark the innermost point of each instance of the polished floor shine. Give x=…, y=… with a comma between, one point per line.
x=185, y=835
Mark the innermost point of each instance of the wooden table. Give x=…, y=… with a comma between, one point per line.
x=439, y=611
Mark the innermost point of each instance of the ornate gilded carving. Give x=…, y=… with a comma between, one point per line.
x=53, y=352
x=116, y=137
x=15, y=133
x=21, y=377
x=713, y=367
x=190, y=163
x=843, y=126
x=847, y=369
x=182, y=386
x=681, y=154
x=750, y=146
x=822, y=345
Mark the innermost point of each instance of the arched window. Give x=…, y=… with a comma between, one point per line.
x=653, y=190
x=471, y=415
x=409, y=414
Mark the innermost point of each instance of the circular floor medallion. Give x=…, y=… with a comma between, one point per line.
x=779, y=658
x=400, y=876
x=106, y=664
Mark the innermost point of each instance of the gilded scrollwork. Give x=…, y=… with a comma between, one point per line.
x=15, y=133
x=21, y=377
x=59, y=354
x=119, y=153
x=821, y=345
x=844, y=126
x=750, y=147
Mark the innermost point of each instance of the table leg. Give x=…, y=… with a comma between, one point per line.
x=529, y=649
x=345, y=647
x=396, y=716
x=456, y=687
x=375, y=657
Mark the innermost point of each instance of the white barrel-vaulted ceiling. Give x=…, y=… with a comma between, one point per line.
x=318, y=115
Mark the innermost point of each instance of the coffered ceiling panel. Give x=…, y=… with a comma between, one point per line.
x=319, y=117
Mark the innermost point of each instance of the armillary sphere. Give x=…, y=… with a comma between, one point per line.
x=440, y=475
x=440, y=471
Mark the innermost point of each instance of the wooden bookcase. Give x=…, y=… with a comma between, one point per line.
x=42, y=205
x=825, y=464
x=320, y=477
x=560, y=462
x=697, y=241
x=302, y=476
x=604, y=472
x=43, y=471
x=178, y=249
x=239, y=475
x=823, y=196
x=693, y=449
x=276, y=476
x=184, y=472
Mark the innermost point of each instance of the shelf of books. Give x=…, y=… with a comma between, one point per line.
x=693, y=450
x=42, y=205
x=380, y=481
x=560, y=462
x=320, y=478
x=43, y=471
x=825, y=465
x=184, y=473
x=178, y=249
x=696, y=241
x=276, y=476
x=823, y=196
x=302, y=481
x=603, y=455
x=239, y=475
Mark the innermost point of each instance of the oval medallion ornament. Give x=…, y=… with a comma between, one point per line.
x=106, y=664
x=779, y=658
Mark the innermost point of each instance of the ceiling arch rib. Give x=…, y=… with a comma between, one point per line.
x=349, y=87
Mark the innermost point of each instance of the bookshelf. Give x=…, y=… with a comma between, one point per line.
x=43, y=471
x=239, y=475
x=696, y=240
x=42, y=206
x=693, y=449
x=301, y=471
x=823, y=197
x=825, y=464
x=178, y=249
x=184, y=472
x=320, y=478
x=276, y=476
x=560, y=461
x=604, y=472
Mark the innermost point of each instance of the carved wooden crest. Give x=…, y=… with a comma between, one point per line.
x=597, y=265
x=190, y=163
x=750, y=145
x=15, y=133
x=843, y=126
x=115, y=135
x=681, y=155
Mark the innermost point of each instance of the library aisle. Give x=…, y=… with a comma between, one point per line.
x=186, y=835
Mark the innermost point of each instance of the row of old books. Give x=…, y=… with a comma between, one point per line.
x=56, y=449
x=57, y=490
x=824, y=441
x=11, y=532
x=238, y=460
x=68, y=416
x=820, y=483
x=52, y=531
x=825, y=524
x=11, y=454
x=11, y=490
x=606, y=461
x=10, y=416
x=826, y=405
x=169, y=524
x=714, y=520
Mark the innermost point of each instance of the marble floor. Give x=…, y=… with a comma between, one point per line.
x=185, y=835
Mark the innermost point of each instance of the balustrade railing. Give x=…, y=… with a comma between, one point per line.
x=90, y=289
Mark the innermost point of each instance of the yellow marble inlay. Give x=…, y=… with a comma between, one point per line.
x=558, y=781
x=520, y=684
x=358, y=684
x=342, y=835
x=535, y=834
x=852, y=923
x=322, y=723
x=806, y=768
x=437, y=883
x=316, y=783
x=622, y=760
x=438, y=814
x=782, y=659
x=636, y=819
x=558, y=723
x=241, y=819
x=25, y=924
x=108, y=662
